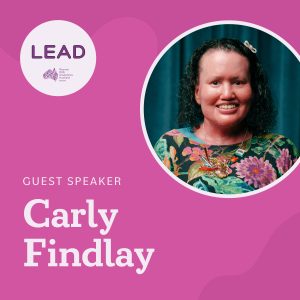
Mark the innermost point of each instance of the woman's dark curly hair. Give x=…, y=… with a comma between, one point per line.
x=261, y=116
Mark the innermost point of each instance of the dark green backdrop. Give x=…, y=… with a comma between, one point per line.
x=280, y=64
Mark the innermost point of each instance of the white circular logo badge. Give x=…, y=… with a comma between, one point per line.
x=58, y=58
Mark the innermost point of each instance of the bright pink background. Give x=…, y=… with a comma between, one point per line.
x=206, y=248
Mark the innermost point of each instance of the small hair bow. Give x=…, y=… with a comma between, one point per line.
x=250, y=47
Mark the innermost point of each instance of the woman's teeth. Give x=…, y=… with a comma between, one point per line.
x=228, y=106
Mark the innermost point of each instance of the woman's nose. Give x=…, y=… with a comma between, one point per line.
x=227, y=92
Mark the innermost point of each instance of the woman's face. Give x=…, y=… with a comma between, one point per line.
x=223, y=90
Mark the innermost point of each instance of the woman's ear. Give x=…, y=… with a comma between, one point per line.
x=197, y=94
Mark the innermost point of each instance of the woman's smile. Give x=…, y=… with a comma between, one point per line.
x=228, y=108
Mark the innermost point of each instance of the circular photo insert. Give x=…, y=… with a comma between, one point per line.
x=220, y=109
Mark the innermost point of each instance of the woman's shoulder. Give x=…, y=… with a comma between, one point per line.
x=277, y=141
x=175, y=140
x=272, y=137
x=182, y=134
x=173, y=132
x=169, y=138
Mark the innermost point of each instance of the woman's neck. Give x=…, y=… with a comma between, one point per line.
x=217, y=135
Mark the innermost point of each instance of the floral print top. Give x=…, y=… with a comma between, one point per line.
x=222, y=169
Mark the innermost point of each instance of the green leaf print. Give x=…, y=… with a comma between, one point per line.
x=194, y=171
x=200, y=185
x=161, y=149
x=280, y=143
x=258, y=150
x=178, y=139
x=274, y=152
x=228, y=185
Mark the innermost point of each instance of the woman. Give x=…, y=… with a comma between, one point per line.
x=226, y=111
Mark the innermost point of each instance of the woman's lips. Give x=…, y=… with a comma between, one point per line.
x=228, y=108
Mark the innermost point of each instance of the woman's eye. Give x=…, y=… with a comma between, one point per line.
x=238, y=82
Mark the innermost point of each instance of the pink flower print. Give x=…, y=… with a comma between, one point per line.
x=284, y=162
x=255, y=171
x=186, y=151
x=195, y=153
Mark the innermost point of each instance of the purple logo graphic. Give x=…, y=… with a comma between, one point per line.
x=52, y=74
